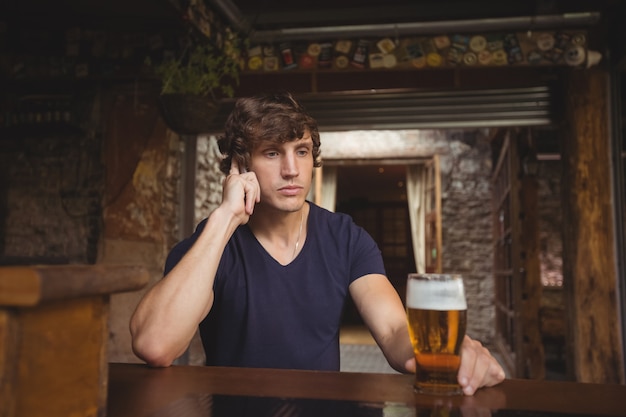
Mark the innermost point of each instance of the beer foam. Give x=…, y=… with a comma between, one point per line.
x=435, y=295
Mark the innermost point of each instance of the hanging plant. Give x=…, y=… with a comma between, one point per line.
x=192, y=84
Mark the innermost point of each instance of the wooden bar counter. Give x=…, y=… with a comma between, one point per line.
x=196, y=391
x=53, y=337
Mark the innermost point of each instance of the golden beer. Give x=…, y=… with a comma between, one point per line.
x=437, y=315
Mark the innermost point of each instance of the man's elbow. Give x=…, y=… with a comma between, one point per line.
x=153, y=353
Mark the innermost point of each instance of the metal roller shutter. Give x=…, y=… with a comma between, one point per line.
x=528, y=106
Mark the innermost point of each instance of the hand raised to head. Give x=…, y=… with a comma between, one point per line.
x=234, y=167
x=241, y=191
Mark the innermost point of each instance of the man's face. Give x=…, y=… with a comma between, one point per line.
x=284, y=172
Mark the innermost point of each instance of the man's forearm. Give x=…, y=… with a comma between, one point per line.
x=168, y=315
x=398, y=350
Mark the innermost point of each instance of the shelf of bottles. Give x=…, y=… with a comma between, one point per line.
x=39, y=114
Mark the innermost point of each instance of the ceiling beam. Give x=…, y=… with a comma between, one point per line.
x=553, y=21
x=521, y=23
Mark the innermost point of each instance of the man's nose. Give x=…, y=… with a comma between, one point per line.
x=289, y=166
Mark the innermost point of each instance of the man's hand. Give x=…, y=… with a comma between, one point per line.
x=241, y=191
x=478, y=367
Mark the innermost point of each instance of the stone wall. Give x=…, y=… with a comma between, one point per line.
x=208, y=177
x=51, y=183
x=467, y=224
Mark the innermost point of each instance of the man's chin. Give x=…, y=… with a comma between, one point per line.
x=290, y=204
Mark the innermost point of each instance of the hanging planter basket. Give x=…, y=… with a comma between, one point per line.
x=188, y=114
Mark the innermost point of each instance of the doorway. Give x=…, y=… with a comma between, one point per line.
x=375, y=197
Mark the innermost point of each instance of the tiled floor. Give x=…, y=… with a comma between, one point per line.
x=360, y=353
x=364, y=358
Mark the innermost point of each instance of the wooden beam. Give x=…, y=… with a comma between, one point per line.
x=589, y=267
x=31, y=285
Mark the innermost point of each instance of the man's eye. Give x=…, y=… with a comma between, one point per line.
x=303, y=152
x=271, y=154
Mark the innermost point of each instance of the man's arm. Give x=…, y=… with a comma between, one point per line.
x=168, y=315
x=385, y=316
x=380, y=307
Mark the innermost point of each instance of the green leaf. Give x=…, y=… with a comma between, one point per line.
x=202, y=69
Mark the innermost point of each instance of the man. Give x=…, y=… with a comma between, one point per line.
x=266, y=275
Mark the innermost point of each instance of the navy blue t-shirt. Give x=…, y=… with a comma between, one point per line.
x=266, y=315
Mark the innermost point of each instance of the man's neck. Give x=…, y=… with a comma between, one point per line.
x=282, y=234
x=270, y=222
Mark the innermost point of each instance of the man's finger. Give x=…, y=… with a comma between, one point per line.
x=234, y=166
x=410, y=366
x=252, y=197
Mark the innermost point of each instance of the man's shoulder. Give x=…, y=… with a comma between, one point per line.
x=320, y=213
x=332, y=222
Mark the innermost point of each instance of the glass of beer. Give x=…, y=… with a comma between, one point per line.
x=436, y=313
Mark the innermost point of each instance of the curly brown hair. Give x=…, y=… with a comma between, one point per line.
x=277, y=117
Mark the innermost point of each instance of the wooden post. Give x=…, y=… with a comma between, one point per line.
x=589, y=267
x=532, y=286
x=54, y=335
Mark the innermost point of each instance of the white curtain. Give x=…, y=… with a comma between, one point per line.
x=329, y=188
x=415, y=191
